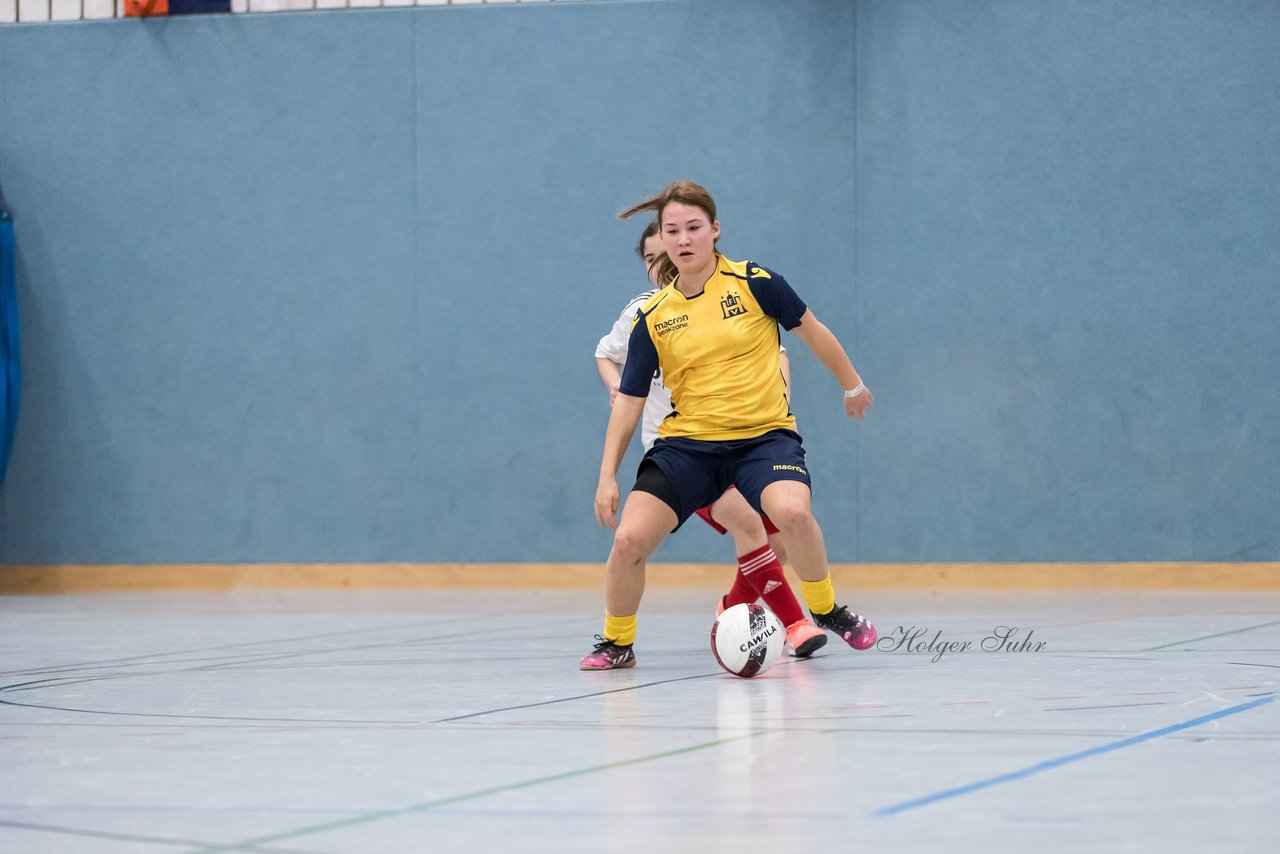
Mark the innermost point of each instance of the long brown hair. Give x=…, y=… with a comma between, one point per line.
x=684, y=192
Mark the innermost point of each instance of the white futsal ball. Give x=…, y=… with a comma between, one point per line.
x=747, y=639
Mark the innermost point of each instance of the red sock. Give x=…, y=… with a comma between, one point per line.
x=762, y=570
x=743, y=591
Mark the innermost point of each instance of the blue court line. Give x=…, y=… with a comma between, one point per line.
x=1064, y=760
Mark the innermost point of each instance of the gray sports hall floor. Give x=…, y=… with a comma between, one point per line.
x=457, y=721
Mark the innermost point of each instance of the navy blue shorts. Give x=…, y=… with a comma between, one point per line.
x=699, y=472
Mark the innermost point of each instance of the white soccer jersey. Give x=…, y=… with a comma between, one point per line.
x=614, y=348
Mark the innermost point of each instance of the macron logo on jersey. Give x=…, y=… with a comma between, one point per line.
x=671, y=325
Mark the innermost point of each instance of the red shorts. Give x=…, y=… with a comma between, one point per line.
x=705, y=513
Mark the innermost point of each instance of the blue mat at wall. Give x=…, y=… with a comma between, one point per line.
x=10, y=364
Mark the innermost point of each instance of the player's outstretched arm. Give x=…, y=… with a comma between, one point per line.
x=622, y=426
x=824, y=344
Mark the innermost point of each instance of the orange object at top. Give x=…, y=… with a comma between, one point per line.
x=145, y=8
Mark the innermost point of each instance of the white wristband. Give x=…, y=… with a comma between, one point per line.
x=854, y=392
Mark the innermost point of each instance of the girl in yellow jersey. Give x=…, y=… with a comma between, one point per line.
x=712, y=329
x=755, y=539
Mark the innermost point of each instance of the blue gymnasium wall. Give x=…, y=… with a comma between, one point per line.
x=325, y=287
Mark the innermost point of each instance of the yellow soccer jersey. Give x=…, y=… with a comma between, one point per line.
x=718, y=352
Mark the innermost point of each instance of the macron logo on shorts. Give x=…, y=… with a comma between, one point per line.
x=789, y=468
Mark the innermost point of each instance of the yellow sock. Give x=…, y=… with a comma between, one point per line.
x=820, y=596
x=622, y=630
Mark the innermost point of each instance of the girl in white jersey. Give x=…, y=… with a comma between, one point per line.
x=714, y=439
x=759, y=552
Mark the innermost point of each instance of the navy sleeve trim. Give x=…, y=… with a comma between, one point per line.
x=775, y=295
x=642, y=361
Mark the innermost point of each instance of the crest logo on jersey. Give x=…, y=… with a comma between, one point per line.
x=731, y=306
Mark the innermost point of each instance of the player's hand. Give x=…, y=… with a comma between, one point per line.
x=613, y=394
x=859, y=405
x=607, y=503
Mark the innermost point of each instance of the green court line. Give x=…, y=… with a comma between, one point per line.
x=365, y=818
x=1210, y=637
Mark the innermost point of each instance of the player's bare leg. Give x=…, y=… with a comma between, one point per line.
x=646, y=521
x=760, y=573
x=787, y=503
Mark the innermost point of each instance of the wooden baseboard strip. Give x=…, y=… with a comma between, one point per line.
x=81, y=578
